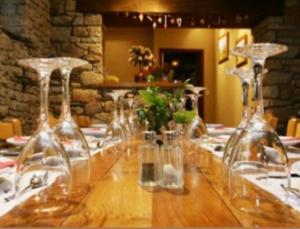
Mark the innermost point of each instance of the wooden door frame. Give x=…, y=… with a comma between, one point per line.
x=200, y=52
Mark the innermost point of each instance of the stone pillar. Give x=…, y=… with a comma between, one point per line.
x=79, y=35
x=282, y=83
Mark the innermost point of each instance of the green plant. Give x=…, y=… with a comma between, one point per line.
x=162, y=107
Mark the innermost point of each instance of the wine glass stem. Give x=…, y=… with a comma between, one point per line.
x=245, y=89
x=65, y=111
x=44, y=89
x=196, y=97
x=115, y=114
x=121, y=107
x=258, y=69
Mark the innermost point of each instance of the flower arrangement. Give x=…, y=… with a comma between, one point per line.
x=140, y=56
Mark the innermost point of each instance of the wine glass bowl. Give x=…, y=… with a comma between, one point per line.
x=259, y=51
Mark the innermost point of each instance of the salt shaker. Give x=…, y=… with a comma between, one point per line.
x=172, y=162
x=149, y=176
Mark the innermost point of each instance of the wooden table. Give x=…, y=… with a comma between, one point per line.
x=116, y=200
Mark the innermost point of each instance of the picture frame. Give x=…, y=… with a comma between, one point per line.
x=223, y=47
x=242, y=41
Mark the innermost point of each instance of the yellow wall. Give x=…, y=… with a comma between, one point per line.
x=223, y=104
x=228, y=104
x=193, y=39
x=117, y=42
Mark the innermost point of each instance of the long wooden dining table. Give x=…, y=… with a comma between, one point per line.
x=116, y=200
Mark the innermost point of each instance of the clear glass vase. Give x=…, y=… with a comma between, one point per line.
x=43, y=169
x=70, y=134
x=258, y=155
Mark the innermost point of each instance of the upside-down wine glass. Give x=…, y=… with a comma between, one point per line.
x=245, y=76
x=124, y=122
x=258, y=155
x=197, y=129
x=114, y=134
x=70, y=135
x=43, y=167
x=131, y=116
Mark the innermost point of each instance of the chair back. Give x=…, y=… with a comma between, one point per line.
x=6, y=130
x=271, y=119
x=297, y=131
x=52, y=120
x=17, y=126
x=291, y=126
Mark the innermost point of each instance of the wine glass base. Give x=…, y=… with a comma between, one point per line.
x=253, y=205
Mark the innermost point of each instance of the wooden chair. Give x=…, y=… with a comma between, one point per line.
x=271, y=119
x=291, y=126
x=17, y=126
x=52, y=120
x=82, y=120
x=6, y=130
x=297, y=131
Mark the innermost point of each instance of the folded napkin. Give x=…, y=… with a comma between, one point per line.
x=6, y=164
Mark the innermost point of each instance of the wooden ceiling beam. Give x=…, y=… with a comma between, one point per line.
x=268, y=7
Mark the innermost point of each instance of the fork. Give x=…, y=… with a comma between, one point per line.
x=294, y=191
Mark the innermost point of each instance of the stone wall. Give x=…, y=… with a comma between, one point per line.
x=22, y=37
x=49, y=28
x=282, y=83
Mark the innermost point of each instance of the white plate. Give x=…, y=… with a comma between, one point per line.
x=18, y=140
x=214, y=125
x=289, y=141
x=94, y=131
x=220, y=131
x=99, y=125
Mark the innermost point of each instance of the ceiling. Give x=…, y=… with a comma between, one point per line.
x=193, y=13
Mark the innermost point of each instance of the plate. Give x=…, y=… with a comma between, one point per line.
x=214, y=125
x=289, y=141
x=94, y=131
x=220, y=131
x=18, y=140
x=99, y=125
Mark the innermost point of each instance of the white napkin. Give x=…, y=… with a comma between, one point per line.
x=211, y=148
x=7, y=206
x=272, y=185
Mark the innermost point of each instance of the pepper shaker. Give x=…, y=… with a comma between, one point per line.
x=149, y=176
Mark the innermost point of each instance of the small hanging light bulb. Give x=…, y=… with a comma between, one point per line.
x=141, y=17
x=179, y=21
x=149, y=18
x=193, y=23
x=172, y=21
x=126, y=14
x=154, y=25
x=134, y=17
x=159, y=20
x=202, y=21
x=165, y=21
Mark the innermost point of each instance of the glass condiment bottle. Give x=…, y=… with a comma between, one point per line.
x=149, y=168
x=172, y=162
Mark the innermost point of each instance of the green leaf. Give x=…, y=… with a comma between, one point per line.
x=184, y=116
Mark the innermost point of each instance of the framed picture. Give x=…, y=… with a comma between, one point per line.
x=242, y=41
x=223, y=43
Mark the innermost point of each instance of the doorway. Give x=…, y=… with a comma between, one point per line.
x=186, y=64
